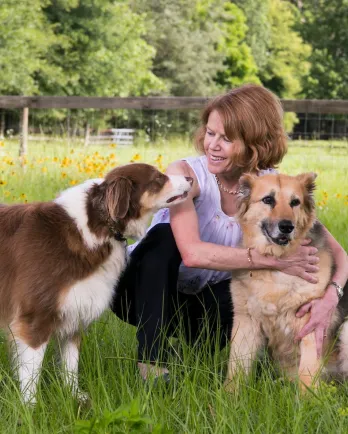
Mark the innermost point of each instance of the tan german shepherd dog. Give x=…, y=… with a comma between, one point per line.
x=275, y=213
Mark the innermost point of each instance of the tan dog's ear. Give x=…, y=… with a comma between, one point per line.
x=245, y=186
x=308, y=181
x=118, y=195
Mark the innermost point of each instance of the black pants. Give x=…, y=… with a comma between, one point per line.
x=147, y=297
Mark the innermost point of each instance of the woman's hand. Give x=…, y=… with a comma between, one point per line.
x=321, y=312
x=301, y=263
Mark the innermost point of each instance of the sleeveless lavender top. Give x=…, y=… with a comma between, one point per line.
x=214, y=227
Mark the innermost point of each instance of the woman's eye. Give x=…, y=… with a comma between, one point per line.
x=268, y=200
x=295, y=202
x=210, y=133
x=226, y=139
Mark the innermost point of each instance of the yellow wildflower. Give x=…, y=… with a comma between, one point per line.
x=136, y=157
x=73, y=182
x=159, y=159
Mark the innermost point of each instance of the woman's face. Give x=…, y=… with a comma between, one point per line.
x=220, y=151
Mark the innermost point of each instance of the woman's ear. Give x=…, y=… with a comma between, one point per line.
x=117, y=196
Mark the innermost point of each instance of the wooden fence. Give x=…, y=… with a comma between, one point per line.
x=143, y=103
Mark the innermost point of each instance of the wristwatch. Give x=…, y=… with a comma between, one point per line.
x=339, y=289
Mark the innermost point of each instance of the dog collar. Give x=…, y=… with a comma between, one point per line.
x=119, y=237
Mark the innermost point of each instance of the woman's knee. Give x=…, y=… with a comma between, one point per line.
x=157, y=247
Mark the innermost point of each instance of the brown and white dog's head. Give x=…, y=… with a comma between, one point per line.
x=129, y=194
x=276, y=211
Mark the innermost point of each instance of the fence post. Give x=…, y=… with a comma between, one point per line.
x=23, y=136
x=2, y=124
x=86, y=134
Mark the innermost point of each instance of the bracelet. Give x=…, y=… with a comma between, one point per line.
x=339, y=289
x=250, y=260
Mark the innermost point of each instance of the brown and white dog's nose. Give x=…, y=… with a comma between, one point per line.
x=286, y=226
x=189, y=179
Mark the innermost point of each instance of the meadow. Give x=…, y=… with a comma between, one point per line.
x=195, y=401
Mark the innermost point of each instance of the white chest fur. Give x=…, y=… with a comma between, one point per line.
x=87, y=299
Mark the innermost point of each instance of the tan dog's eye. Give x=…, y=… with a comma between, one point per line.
x=268, y=200
x=295, y=202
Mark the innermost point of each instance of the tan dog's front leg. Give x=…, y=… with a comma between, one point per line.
x=246, y=340
x=309, y=363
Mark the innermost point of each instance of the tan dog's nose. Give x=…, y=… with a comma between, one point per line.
x=286, y=226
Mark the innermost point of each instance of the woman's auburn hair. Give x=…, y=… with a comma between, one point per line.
x=253, y=115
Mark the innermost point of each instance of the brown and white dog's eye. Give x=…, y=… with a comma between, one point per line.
x=295, y=202
x=268, y=200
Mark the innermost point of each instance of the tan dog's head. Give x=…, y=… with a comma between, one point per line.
x=276, y=211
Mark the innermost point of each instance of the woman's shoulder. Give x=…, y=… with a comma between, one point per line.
x=181, y=167
x=267, y=171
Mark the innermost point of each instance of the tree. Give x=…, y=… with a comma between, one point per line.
x=25, y=38
x=239, y=64
x=100, y=48
x=259, y=29
x=329, y=59
x=186, y=56
x=284, y=61
x=287, y=61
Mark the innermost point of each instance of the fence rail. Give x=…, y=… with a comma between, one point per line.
x=156, y=103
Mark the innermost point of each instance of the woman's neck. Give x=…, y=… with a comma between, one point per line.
x=231, y=178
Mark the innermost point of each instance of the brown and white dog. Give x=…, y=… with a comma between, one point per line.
x=275, y=213
x=60, y=261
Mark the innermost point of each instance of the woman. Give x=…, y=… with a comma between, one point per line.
x=185, y=261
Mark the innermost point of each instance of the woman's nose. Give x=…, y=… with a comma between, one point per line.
x=215, y=142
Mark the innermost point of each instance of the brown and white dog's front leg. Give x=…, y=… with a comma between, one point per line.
x=27, y=364
x=69, y=352
x=246, y=340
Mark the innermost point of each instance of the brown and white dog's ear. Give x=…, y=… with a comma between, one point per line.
x=308, y=182
x=245, y=186
x=118, y=195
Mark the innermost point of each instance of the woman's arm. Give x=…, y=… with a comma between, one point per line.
x=199, y=254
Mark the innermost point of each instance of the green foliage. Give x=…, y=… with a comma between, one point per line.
x=259, y=29
x=278, y=49
x=287, y=58
x=100, y=48
x=25, y=38
x=239, y=63
x=324, y=25
x=127, y=417
x=185, y=35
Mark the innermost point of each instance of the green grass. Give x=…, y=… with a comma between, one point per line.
x=195, y=402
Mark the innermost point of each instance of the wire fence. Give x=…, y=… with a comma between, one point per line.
x=150, y=120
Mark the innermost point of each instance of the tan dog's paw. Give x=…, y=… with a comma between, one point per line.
x=231, y=385
x=83, y=398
